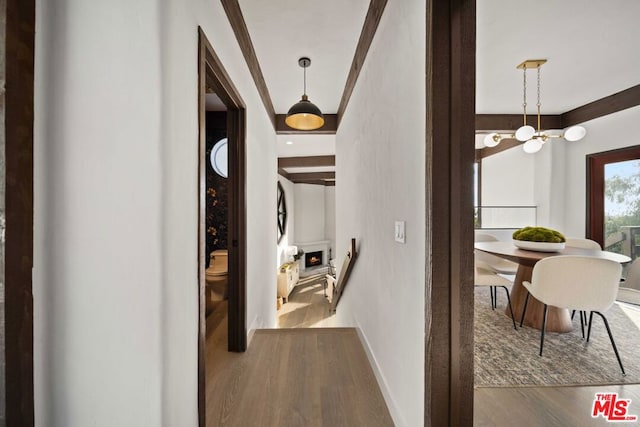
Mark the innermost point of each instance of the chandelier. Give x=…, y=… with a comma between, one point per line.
x=533, y=139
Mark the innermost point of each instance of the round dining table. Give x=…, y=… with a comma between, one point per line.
x=558, y=319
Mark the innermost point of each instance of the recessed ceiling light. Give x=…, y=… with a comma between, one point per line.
x=289, y=142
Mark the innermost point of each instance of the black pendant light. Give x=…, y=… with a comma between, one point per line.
x=304, y=115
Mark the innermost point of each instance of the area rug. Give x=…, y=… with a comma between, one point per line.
x=505, y=357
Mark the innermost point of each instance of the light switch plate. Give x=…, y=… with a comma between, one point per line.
x=399, y=232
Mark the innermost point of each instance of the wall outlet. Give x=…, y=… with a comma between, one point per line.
x=399, y=232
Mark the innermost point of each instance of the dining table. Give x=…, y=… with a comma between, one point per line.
x=558, y=319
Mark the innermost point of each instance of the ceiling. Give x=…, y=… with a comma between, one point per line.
x=591, y=48
x=326, y=31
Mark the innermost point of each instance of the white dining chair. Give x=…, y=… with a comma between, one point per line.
x=579, y=242
x=579, y=282
x=493, y=271
x=485, y=277
x=492, y=262
x=575, y=242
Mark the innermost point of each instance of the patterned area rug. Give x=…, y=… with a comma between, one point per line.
x=505, y=357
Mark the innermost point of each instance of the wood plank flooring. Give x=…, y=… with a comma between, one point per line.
x=307, y=308
x=291, y=377
x=546, y=406
x=321, y=377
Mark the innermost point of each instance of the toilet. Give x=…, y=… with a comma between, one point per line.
x=216, y=275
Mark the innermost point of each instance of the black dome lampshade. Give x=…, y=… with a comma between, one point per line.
x=304, y=115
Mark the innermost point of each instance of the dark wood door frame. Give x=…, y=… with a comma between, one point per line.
x=450, y=125
x=17, y=38
x=211, y=73
x=595, y=187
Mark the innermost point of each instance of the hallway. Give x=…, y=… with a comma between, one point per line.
x=292, y=377
x=307, y=306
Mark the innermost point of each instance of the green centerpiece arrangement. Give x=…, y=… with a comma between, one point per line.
x=539, y=239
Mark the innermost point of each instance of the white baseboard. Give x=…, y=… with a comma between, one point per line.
x=252, y=330
x=398, y=420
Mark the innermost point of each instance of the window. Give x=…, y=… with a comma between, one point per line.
x=613, y=200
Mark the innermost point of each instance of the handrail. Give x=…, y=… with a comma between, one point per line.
x=347, y=266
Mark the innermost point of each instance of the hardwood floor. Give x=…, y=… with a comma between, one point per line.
x=321, y=376
x=547, y=406
x=292, y=377
x=307, y=308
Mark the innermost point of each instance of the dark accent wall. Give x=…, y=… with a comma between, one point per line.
x=217, y=204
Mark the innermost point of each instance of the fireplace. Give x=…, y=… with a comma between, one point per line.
x=311, y=259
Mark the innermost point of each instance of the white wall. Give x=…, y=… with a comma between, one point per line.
x=290, y=232
x=310, y=213
x=507, y=178
x=549, y=184
x=116, y=208
x=603, y=134
x=330, y=218
x=380, y=162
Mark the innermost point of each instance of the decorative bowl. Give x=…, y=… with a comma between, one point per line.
x=539, y=246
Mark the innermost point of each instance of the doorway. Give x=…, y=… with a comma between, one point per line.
x=613, y=205
x=213, y=79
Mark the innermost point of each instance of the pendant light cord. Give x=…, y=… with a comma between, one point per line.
x=524, y=94
x=539, y=104
x=304, y=92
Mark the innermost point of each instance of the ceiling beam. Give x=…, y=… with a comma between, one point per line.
x=306, y=162
x=239, y=26
x=497, y=122
x=317, y=182
x=602, y=107
x=374, y=14
x=623, y=100
x=283, y=173
x=329, y=128
x=505, y=144
x=311, y=176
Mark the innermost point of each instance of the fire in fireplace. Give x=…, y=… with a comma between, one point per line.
x=312, y=259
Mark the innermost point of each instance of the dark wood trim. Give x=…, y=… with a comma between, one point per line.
x=450, y=101
x=329, y=183
x=283, y=173
x=602, y=107
x=311, y=176
x=620, y=101
x=17, y=25
x=623, y=100
x=314, y=182
x=236, y=130
x=371, y=21
x=595, y=187
x=211, y=69
x=511, y=122
x=330, y=126
x=306, y=161
x=504, y=145
x=202, y=88
x=239, y=26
